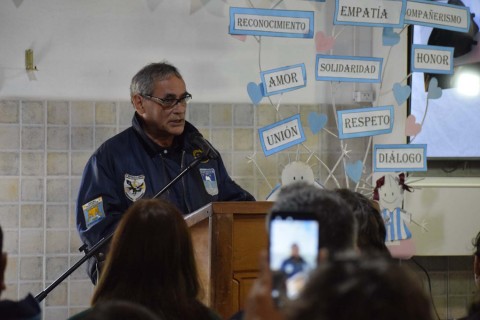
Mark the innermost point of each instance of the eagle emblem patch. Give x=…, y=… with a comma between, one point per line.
x=134, y=187
x=209, y=180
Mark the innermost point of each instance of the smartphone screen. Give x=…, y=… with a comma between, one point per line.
x=293, y=250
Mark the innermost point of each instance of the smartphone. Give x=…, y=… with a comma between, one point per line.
x=293, y=252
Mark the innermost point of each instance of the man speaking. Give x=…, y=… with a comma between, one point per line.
x=140, y=161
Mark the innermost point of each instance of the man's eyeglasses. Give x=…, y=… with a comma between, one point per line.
x=168, y=103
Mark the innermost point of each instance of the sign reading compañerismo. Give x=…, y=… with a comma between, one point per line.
x=281, y=135
x=348, y=68
x=365, y=122
x=372, y=13
x=272, y=23
x=284, y=79
x=432, y=59
x=399, y=157
x=438, y=15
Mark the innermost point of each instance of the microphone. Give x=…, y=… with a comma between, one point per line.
x=200, y=142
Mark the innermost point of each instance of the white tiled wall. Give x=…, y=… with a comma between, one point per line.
x=44, y=146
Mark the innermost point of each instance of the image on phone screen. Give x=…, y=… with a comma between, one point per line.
x=293, y=251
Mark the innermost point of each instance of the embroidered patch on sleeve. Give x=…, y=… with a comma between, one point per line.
x=209, y=180
x=93, y=211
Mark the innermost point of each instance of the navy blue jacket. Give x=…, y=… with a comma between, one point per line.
x=130, y=166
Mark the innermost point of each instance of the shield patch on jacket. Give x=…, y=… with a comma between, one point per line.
x=209, y=180
x=134, y=187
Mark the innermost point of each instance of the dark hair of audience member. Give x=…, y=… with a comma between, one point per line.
x=371, y=228
x=120, y=310
x=337, y=224
x=151, y=262
x=361, y=288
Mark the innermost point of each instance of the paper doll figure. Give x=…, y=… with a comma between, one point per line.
x=389, y=192
x=295, y=171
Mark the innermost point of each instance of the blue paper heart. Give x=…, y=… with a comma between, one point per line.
x=316, y=122
x=255, y=92
x=434, y=91
x=354, y=170
x=389, y=37
x=401, y=93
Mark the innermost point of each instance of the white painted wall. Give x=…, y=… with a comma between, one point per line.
x=90, y=49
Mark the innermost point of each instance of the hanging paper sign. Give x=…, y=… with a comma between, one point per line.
x=372, y=13
x=432, y=59
x=399, y=157
x=271, y=23
x=284, y=79
x=348, y=68
x=281, y=135
x=438, y=15
x=365, y=122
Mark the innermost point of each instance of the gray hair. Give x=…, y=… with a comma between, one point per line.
x=143, y=82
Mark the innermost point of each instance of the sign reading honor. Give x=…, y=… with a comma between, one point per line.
x=432, y=59
x=281, y=135
x=272, y=23
x=348, y=69
x=284, y=79
x=365, y=122
x=373, y=13
x=399, y=157
x=438, y=15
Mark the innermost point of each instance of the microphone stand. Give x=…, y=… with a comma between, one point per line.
x=96, y=248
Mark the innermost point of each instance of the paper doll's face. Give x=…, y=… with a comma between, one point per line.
x=297, y=171
x=390, y=194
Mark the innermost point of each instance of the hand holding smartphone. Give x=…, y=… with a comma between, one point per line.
x=293, y=252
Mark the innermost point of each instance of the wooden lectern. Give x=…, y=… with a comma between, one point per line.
x=227, y=239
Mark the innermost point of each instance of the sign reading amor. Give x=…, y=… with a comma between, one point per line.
x=284, y=79
x=273, y=23
x=399, y=157
x=365, y=122
x=281, y=135
x=348, y=68
x=432, y=59
x=373, y=13
x=438, y=15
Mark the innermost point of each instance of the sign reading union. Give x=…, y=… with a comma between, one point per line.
x=281, y=135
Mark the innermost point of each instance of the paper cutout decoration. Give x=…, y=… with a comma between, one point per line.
x=348, y=68
x=399, y=157
x=281, y=135
x=317, y=121
x=283, y=79
x=354, y=170
x=240, y=37
x=17, y=3
x=401, y=93
x=389, y=192
x=295, y=171
x=389, y=37
x=255, y=92
x=364, y=122
x=432, y=59
x=379, y=13
x=271, y=22
x=412, y=128
x=322, y=42
x=426, y=13
x=434, y=91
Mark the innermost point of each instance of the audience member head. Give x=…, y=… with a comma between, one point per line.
x=151, y=262
x=120, y=310
x=476, y=260
x=371, y=228
x=3, y=263
x=361, y=288
x=337, y=224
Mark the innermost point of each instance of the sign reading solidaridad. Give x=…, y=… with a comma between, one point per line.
x=348, y=68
